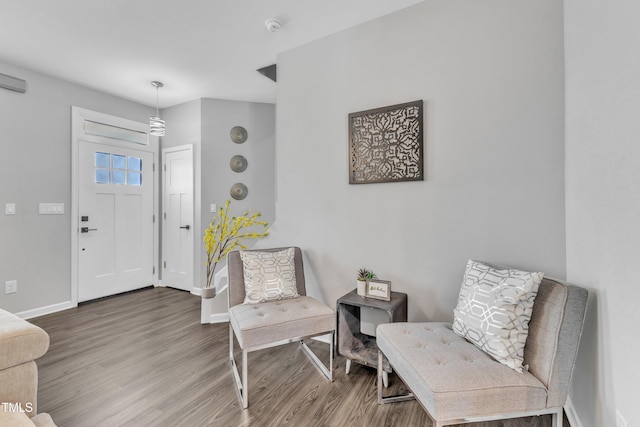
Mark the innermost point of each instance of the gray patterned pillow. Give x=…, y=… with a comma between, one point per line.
x=494, y=309
x=268, y=276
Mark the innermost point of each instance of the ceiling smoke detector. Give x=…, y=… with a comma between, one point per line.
x=273, y=25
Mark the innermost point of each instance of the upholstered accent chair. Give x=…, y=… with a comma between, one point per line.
x=456, y=382
x=261, y=325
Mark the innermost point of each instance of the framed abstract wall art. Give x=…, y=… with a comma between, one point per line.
x=386, y=144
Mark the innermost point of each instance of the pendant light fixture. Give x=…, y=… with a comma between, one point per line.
x=156, y=123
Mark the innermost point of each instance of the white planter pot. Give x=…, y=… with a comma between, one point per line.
x=362, y=287
x=206, y=310
x=208, y=293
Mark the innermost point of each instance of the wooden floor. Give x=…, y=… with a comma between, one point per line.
x=144, y=359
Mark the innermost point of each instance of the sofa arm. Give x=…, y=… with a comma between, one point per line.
x=20, y=341
x=20, y=344
x=19, y=385
x=17, y=419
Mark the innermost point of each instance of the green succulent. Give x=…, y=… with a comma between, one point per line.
x=365, y=274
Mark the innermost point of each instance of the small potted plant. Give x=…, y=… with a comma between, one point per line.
x=364, y=274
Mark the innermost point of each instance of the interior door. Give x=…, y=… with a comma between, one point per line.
x=177, y=225
x=115, y=239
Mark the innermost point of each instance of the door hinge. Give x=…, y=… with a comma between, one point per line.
x=154, y=167
x=164, y=167
x=154, y=270
x=165, y=264
x=154, y=218
x=165, y=215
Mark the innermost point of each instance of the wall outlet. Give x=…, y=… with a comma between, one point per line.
x=620, y=421
x=10, y=286
x=212, y=208
x=10, y=208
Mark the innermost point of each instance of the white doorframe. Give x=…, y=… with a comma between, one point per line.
x=80, y=132
x=194, y=220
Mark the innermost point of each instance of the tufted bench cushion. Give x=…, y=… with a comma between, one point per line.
x=275, y=320
x=451, y=377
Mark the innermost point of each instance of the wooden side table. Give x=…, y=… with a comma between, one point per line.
x=356, y=346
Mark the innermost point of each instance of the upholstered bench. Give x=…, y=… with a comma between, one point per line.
x=456, y=382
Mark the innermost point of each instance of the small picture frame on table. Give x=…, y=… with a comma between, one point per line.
x=378, y=289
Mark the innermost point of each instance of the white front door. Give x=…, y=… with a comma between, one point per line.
x=178, y=219
x=115, y=224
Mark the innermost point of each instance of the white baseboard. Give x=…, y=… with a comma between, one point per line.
x=41, y=311
x=219, y=318
x=572, y=414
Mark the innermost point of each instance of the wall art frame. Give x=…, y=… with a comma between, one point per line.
x=386, y=144
x=238, y=163
x=378, y=289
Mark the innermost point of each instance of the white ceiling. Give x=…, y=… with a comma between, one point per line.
x=197, y=48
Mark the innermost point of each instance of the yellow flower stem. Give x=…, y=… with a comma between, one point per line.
x=226, y=233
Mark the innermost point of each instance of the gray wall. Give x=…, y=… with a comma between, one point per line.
x=206, y=123
x=603, y=202
x=491, y=76
x=35, y=166
x=218, y=117
x=183, y=124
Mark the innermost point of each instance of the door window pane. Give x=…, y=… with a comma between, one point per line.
x=135, y=164
x=118, y=162
x=102, y=176
x=117, y=177
x=102, y=160
x=118, y=169
x=134, y=178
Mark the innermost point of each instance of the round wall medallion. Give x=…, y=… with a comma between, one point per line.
x=238, y=163
x=238, y=134
x=239, y=191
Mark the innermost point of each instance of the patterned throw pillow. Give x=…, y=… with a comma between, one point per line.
x=269, y=276
x=494, y=309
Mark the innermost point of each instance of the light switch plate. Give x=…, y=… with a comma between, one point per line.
x=10, y=208
x=51, y=208
x=212, y=208
x=10, y=286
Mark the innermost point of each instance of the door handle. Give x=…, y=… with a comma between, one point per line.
x=87, y=229
x=186, y=227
